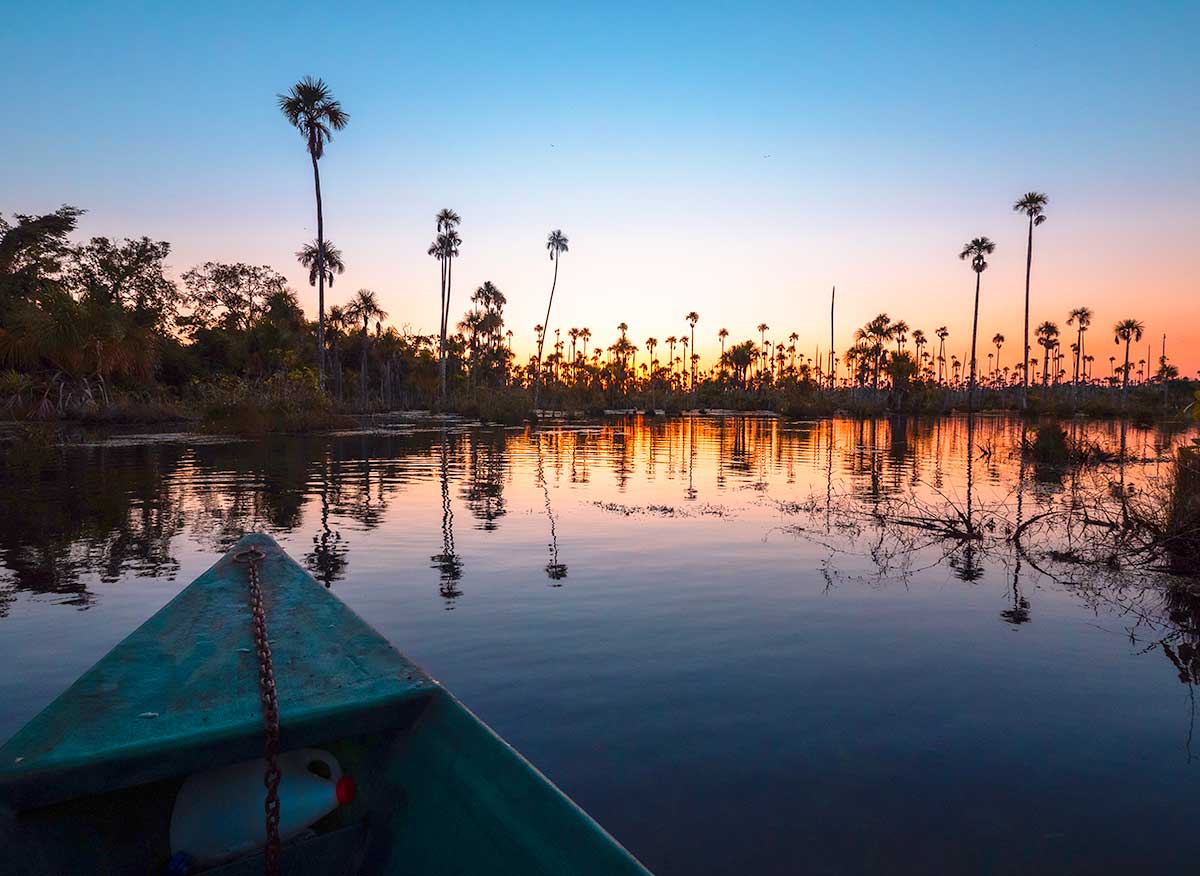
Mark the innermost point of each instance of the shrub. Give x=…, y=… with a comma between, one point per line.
x=287, y=403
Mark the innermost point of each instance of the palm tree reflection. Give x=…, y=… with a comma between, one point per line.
x=1018, y=613
x=448, y=563
x=966, y=563
x=327, y=559
x=555, y=570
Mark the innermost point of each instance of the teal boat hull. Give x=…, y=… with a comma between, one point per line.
x=88, y=784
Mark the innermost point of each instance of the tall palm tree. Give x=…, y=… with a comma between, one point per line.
x=1081, y=317
x=998, y=341
x=919, y=341
x=942, y=333
x=445, y=249
x=671, y=342
x=1127, y=330
x=311, y=109
x=693, y=318
x=1047, y=336
x=556, y=245
x=365, y=307
x=975, y=250
x=763, y=328
x=1033, y=205
x=721, y=336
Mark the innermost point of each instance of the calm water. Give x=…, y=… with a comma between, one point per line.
x=697, y=627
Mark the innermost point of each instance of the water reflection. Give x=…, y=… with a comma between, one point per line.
x=555, y=570
x=448, y=563
x=81, y=516
x=735, y=585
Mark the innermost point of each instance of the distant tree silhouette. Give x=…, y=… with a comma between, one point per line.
x=1127, y=330
x=1047, y=337
x=1081, y=318
x=364, y=307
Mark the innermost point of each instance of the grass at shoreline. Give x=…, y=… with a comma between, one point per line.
x=294, y=405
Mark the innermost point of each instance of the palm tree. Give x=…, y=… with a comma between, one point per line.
x=722, y=335
x=310, y=108
x=1033, y=205
x=693, y=318
x=556, y=244
x=763, y=328
x=1047, y=336
x=942, y=333
x=445, y=249
x=365, y=306
x=875, y=335
x=998, y=341
x=322, y=260
x=1127, y=330
x=671, y=342
x=1082, y=318
x=975, y=250
x=919, y=341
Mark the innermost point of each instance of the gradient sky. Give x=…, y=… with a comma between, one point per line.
x=738, y=163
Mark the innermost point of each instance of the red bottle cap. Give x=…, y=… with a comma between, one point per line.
x=345, y=790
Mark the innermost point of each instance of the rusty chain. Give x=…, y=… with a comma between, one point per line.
x=251, y=558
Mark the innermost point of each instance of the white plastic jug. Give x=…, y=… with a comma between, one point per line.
x=219, y=814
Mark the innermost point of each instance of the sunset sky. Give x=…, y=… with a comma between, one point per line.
x=738, y=163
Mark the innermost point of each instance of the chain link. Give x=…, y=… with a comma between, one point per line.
x=251, y=558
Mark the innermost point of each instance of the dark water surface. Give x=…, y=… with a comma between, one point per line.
x=695, y=626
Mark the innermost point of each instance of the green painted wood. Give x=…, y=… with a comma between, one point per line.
x=184, y=685
x=87, y=785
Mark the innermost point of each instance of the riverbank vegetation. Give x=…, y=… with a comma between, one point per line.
x=98, y=331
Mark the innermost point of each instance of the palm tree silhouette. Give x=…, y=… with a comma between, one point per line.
x=311, y=109
x=693, y=318
x=998, y=340
x=1033, y=205
x=1127, y=330
x=763, y=328
x=942, y=333
x=556, y=244
x=322, y=259
x=875, y=335
x=365, y=306
x=1047, y=336
x=722, y=335
x=919, y=341
x=1081, y=317
x=975, y=250
x=445, y=249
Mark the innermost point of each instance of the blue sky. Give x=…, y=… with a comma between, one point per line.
x=733, y=161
